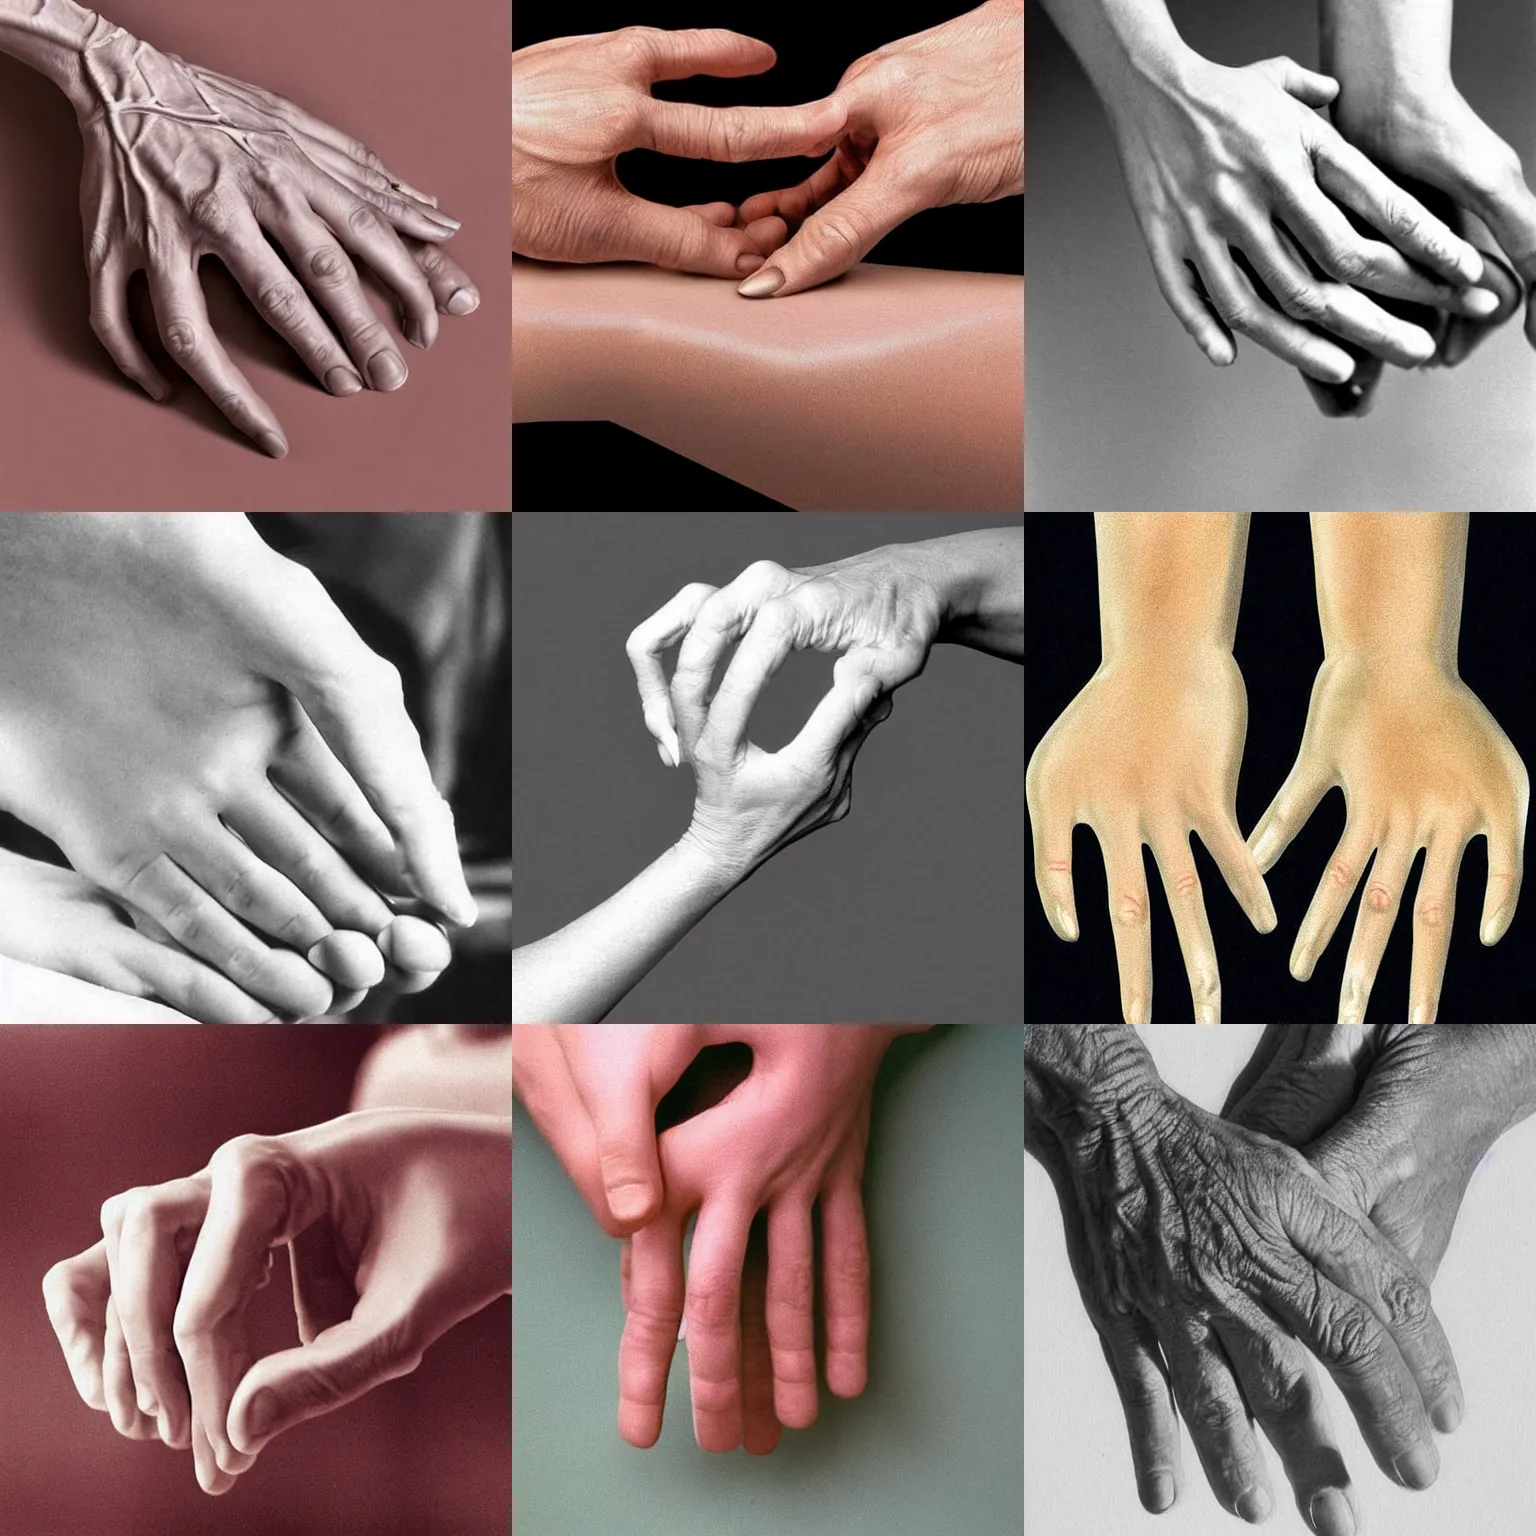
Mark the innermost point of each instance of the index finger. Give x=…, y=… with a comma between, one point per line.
x=653, y=1308
x=740, y=133
x=1181, y=884
x=646, y=642
x=713, y=1310
x=75, y=1293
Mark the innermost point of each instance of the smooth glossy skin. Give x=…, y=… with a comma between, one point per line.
x=933, y=119
x=580, y=102
x=180, y=163
x=397, y=1225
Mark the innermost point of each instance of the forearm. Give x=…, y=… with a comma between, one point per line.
x=575, y=976
x=1169, y=582
x=894, y=388
x=50, y=36
x=1389, y=586
x=983, y=583
x=1374, y=46
x=1118, y=41
x=1080, y=1075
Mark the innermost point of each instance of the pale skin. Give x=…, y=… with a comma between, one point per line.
x=180, y=163
x=1219, y=160
x=1149, y=751
x=397, y=1226
x=898, y=388
x=1420, y=760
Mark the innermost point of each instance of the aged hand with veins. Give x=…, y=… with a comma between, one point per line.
x=933, y=119
x=580, y=102
x=189, y=716
x=1196, y=1245
x=1420, y=760
x=1149, y=750
x=397, y=1225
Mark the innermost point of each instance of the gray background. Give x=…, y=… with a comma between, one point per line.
x=1123, y=409
x=912, y=908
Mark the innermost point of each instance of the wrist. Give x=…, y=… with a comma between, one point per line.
x=53, y=44
x=1383, y=52
x=978, y=584
x=710, y=862
x=1124, y=43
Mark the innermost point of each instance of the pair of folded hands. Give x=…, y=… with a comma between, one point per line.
x=788, y=1136
x=1211, y=1256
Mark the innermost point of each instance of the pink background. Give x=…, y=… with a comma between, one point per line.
x=426, y=87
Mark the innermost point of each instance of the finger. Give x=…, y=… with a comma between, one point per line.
x=1507, y=205
x=188, y=335
x=113, y=325
x=644, y=647
x=75, y=1294
x=681, y=241
x=677, y=54
x=241, y=883
x=1051, y=826
x=1434, y=910
x=352, y=961
x=767, y=234
x=1288, y=812
x=740, y=133
x=791, y=205
x=1135, y=1361
x=722, y=215
x=791, y=1293
x=839, y=234
x=838, y=717
x=1130, y=917
x=1463, y=335
x=409, y=212
x=146, y=1231
x=278, y=298
x=453, y=290
x=1506, y=862
x=277, y=833
x=760, y=1426
x=1356, y=396
x=845, y=1284
x=1217, y=1419
x=186, y=984
x=653, y=1312
x=1330, y=899
x=713, y=1310
x=1239, y=869
x=778, y=627
x=1186, y=298
x=1181, y=884
x=621, y=1099
x=201, y=926
x=1354, y=180
x=1373, y=924
x=117, y=1383
x=361, y=231
x=1283, y=1394
x=1306, y=85
x=413, y=944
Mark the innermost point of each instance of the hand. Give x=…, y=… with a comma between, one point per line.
x=181, y=162
x=933, y=119
x=153, y=671
x=397, y=1226
x=1220, y=160
x=1149, y=751
x=1191, y=1241
x=1423, y=765
x=580, y=102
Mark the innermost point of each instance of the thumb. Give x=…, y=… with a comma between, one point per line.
x=341, y=1365
x=833, y=720
x=839, y=234
x=1306, y=85
x=1294, y=802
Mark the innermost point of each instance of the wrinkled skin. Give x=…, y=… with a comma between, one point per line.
x=1193, y=1242
x=181, y=163
x=933, y=119
x=397, y=1225
x=1423, y=765
x=1148, y=752
x=579, y=102
x=1218, y=160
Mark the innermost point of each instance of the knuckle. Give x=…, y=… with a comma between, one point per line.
x=363, y=221
x=1380, y=897
x=244, y=966
x=851, y=1262
x=1345, y=1339
x=1341, y=874
x=777, y=618
x=1407, y=1303
x=180, y=338
x=1429, y=914
x=1187, y=883
x=1351, y=264
x=636, y=44
x=1130, y=911
x=112, y=1211
x=713, y=1301
x=1304, y=301
x=839, y=234
x=1212, y=1415
x=213, y=209
x=328, y=265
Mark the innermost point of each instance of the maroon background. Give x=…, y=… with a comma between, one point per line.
x=426, y=86
x=88, y=1112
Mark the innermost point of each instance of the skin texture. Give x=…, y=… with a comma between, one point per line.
x=1198, y=1244
x=1421, y=762
x=397, y=1226
x=1149, y=751
x=933, y=119
x=1220, y=161
x=896, y=388
x=580, y=102
x=882, y=609
x=191, y=719
x=181, y=163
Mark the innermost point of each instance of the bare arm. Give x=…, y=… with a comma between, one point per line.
x=894, y=388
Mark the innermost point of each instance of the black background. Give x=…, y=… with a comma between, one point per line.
x=570, y=467
x=1279, y=648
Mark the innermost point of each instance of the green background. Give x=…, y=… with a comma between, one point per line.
x=935, y=1443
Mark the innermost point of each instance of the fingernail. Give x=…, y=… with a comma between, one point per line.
x=163, y=1425
x=629, y=1202
x=1419, y=1467
x=1255, y=1505
x=1268, y=920
x=262, y=1413
x=1493, y=930
x=453, y=225
x=1157, y=1492
x=463, y=302
x=271, y=443
x=147, y=1403
x=462, y=910
x=1457, y=344
x=386, y=371
x=414, y=333
x=750, y=261
x=1264, y=849
x=1446, y=1415
x=343, y=381
x=674, y=749
x=1067, y=923
x=159, y=393
x=1479, y=302
x=1137, y=1011
x=661, y=752
x=1331, y=1514
x=1420, y=1015
x=762, y=284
